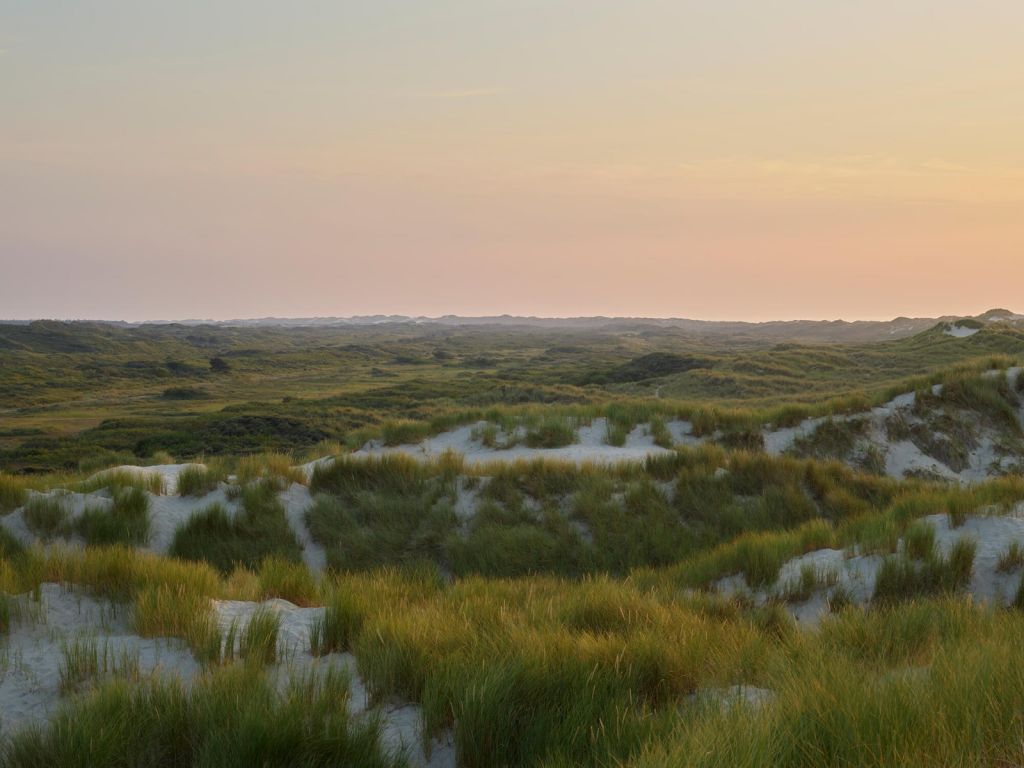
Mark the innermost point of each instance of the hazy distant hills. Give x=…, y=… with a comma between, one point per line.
x=805, y=331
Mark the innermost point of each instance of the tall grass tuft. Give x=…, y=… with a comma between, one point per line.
x=257, y=643
x=901, y=579
x=126, y=522
x=233, y=716
x=47, y=516
x=275, y=468
x=258, y=531
x=13, y=493
x=199, y=480
x=344, y=615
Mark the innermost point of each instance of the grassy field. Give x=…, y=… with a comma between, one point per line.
x=84, y=393
x=574, y=616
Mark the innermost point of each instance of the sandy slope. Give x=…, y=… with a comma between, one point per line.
x=30, y=675
x=857, y=573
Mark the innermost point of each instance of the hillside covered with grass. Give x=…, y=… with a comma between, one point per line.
x=444, y=546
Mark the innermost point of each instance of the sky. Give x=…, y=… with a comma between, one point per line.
x=662, y=158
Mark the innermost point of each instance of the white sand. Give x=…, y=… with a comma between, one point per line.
x=296, y=500
x=856, y=573
x=32, y=654
x=33, y=651
x=167, y=513
x=960, y=331
x=590, y=447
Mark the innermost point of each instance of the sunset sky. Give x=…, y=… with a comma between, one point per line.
x=719, y=160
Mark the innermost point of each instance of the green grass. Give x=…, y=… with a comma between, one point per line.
x=258, y=641
x=344, y=615
x=919, y=540
x=47, y=516
x=551, y=432
x=901, y=579
x=84, y=662
x=126, y=522
x=231, y=717
x=1011, y=559
x=199, y=480
x=258, y=531
x=13, y=493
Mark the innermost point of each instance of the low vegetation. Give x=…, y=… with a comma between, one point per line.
x=227, y=540
x=125, y=522
x=232, y=717
x=539, y=613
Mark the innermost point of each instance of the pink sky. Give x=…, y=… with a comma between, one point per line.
x=721, y=161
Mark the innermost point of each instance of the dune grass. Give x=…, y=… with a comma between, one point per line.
x=1011, y=559
x=553, y=671
x=47, y=516
x=258, y=531
x=902, y=579
x=258, y=641
x=118, y=480
x=275, y=468
x=345, y=612
x=200, y=479
x=125, y=522
x=13, y=493
x=919, y=540
x=86, y=663
x=232, y=716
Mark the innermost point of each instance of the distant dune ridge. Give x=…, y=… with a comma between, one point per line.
x=790, y=330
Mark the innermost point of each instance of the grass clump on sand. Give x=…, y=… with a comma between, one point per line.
x=126, y=522
x=344, y=615
x=832, y=439
x=919, y=540
x=47, y=516
x=13, y=493
x=1011, y=559
x=275, y=468
x=199, y=479
x=902, y=579
x=84, y=662
x=178, y=610
x=810, y=578
x=118, y=480
x=287, y=579
x=374, y=512
x=551, y=432
x=257, y=643
x=233, y=716
x=259, y=530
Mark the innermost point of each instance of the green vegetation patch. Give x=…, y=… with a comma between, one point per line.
x=258, y=531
